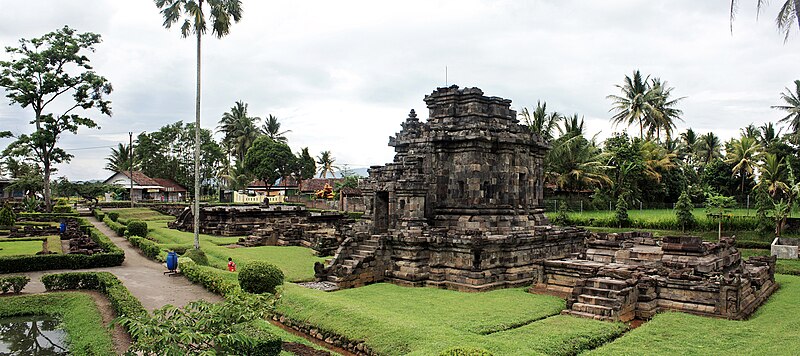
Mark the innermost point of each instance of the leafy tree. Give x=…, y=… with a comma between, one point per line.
x=689, y=146
x=764, y=205
x=575, y=163
x=621, y=212
x=683, y=211
x=540, y=122
x=773, y=175
x=709, y=148
x=664, y=112
x=200, y=327
x=636, y=103
x=269, y=160
x=792, y=107
x=787, y=16
x=717, y=207
x=562, y=216
x=272, y=128
x=239, y=130
x=48, y=68
x=120, y=159
x=780, y=212
x=716, y=177
x=325, y=161
x=743, y=154
x=306, y=165
x=222, y=14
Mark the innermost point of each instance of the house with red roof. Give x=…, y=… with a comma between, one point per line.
x=148, y=189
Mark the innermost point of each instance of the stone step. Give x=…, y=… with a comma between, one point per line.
x=594, y=309
x=584, y=315
x=596, y=300
x=606, y=283
x=602, y=292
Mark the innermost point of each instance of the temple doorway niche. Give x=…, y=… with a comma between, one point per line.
x=381, y=212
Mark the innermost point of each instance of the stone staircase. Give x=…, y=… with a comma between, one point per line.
x=358, y=264
x=603, y=298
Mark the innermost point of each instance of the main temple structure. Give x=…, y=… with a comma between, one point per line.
x=460, y=205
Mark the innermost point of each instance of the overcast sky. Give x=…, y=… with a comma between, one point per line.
x=342, y=75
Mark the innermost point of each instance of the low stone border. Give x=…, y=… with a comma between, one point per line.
x=356, y=347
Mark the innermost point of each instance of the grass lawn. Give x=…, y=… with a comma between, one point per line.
x=16, y=248
x=79, y=317
x=396, y=320
x=773, y=330
x=144, y=214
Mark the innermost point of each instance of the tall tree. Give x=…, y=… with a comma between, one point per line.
x=222, y=14
x=689, y=145
x=272, y=129
x=48, y=68
x=269, y=160
x=325, y=161
x=709, y=147
x=664, y=112
x=120, y=159
x=744, y=154
x=306, y=165
x=540, y=121
x=239, y=130
x=787, y=15
x=792, y=100
x=773, y=175
x=636, y=104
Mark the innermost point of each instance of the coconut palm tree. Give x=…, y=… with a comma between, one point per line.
x=272, y=128
x=636, y=104
x=768, y=135
x=664, y=112
x=656, y=159
x=792, y=100
x=120, y=159
x=689, y=145
x=787, y=16
x=773, y=175
x=239, y=130
x=744, y=154
x=709, y=147
x=575, y=163
x=325, y=163
x=222, y=13
x=540, y=122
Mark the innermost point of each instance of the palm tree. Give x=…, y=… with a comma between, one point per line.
x=272, y=128
x=768, y=135
x=743, y=154
x=222, y=12
x=572, y=126
x=239, y=129
x=709, y=147
x=325, y=163
x=689, y=146
x=120, y=159
x=656, y=159
x=773, y=175
x=636, y=103
x=576, y=163
x=750, y=131
x=792, y=106
x=664, y=112
x=788, y=14
x=540, y=122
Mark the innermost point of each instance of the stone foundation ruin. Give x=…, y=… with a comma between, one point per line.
x=620, y=277
x=459, y=207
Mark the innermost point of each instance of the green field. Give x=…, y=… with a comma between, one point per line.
x=396, y=320
x=16, y=248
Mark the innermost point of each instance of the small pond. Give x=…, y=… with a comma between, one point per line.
x=32, y=335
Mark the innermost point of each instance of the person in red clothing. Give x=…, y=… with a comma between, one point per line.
x=231, y=265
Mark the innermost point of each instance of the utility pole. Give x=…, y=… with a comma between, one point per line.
x=130, y=149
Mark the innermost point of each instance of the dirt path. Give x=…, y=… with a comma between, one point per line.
x=142, y=276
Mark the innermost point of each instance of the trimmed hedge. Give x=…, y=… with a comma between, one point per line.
x=211, y=278
x=98, y=214
x=63, y=209
x=112, y=257
x=123, y=302
x=13, y=283
x=260, y=277
x=197, y=255
x=45, y=216
x=149, y=248
x=118, y=228
x=753, y=244
x=113, y=215
x=260, y=341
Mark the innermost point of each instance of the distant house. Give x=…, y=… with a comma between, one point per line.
x=148, y=189
x=4, y=194
x=311, y=186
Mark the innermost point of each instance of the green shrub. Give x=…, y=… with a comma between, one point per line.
x=621, y=212
x=13, y=283
x=137, y=228
x=123, y=302
x=212, y=279
x=197, y=255
x=149, y=248
x=113, y=215
x=765, y=245
x=98, y=214
x=63, y=209
x=118, y=228
x=7, y=217
x=465, y=351
x=258, y=340
x=260, y=277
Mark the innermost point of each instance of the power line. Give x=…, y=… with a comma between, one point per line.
x=86, y=148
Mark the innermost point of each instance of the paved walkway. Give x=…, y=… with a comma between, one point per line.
x=142, y=276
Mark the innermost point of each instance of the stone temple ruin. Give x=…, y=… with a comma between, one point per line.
x=460, y=208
